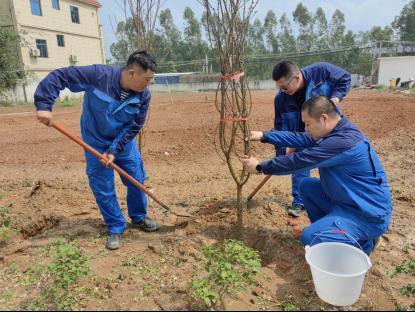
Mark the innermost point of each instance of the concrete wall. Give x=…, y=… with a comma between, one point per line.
x=208, y=86
x=25, y=92
x=394, y=67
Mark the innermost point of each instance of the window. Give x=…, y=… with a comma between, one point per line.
x=36, y=7
x=61, y=40
x=74, y=14
x=42, y=47
x=55, y=4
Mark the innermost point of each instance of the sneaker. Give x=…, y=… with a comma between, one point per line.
x=295, y=210
x=147, y=225
x=113, y=241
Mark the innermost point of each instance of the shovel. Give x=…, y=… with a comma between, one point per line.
x=118, y=169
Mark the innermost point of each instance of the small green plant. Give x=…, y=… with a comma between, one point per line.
x=289, y=304
x=407, y=266
x=230, y=266
x=408, y=290
x=381, y=87
x=146, y=290
x=130, y=262
x=59, y=277
x=5, y=220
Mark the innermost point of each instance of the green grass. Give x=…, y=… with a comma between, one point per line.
x=5, y=220
x=15, y=104
x=230, y=267
x=407, y=266
x=408, y=290
x=58, y=280
x=68, y=102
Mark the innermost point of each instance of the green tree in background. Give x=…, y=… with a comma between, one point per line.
x=405, y=22
x=9, y=71
x=321, y=29
x=304, y=20
x=286, y=37
x=271, y=40
x=270, y=30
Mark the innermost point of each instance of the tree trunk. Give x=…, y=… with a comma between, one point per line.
x=239, y=205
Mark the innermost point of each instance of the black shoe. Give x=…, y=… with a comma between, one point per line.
x=147, y=225
x=113, y=241
x=295, y=210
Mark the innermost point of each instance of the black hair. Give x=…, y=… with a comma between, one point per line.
x=319, y=105
x=285, y=69
x=143, y=59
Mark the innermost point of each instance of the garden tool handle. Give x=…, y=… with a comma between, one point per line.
x=261, y=184
x=114, y=166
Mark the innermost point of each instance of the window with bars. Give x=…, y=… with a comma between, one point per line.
x=41, y=45
x=36, y=7
x=74, y=14
x=61, y=40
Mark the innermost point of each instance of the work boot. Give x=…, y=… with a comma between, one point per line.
x=113, y=241
x=295, y=210
x=147, y=225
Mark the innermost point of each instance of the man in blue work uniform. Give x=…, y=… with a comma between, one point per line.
x=295, y=87
x=115, y=106
x=352, y=195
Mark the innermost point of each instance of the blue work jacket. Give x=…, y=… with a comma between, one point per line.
x=319, y=79
x=106, y=122
x=350, y=172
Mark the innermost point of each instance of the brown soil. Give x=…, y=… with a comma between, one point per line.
x=44, y=187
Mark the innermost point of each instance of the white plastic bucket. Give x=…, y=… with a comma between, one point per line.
x=338, y=271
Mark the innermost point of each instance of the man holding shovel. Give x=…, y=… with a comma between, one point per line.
x=115, y=106
x=296, y=86
x=352, y=197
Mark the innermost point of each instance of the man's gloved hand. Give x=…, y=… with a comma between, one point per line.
x=45, y=117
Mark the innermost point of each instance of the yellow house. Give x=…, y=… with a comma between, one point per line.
x=56, y=33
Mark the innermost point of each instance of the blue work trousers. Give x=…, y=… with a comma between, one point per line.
x=101, y=181
x=329, y=222
x=296, y=179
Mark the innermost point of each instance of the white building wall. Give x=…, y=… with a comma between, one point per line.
x=394, y=67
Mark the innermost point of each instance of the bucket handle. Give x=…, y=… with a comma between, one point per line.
x=348, y=236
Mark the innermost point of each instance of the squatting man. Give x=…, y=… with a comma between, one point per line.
x=352, y=194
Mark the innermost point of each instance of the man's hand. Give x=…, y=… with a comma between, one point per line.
x=45, y=117
x=250, y=164
x=256, y=135
x=108, y=159
x=335, y=100
x=289, y=150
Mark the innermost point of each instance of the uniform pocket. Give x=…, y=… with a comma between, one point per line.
x=290, y=121
x=127, y=114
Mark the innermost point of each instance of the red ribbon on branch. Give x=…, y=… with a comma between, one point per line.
x=234, y=76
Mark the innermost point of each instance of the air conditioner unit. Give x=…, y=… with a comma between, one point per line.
x=34, y=52
x=73, y=58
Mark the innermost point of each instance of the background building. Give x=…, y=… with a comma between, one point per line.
x=56, y=33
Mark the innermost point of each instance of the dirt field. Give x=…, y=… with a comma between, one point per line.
x=44, y=188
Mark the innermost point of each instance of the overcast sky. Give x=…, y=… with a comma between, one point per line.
x=360, y=15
